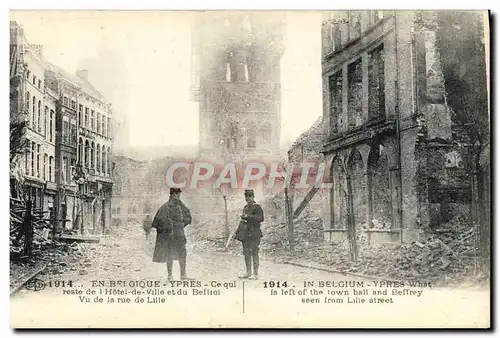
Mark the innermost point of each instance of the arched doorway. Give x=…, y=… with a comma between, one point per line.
x=338, y=196
x=357, y=171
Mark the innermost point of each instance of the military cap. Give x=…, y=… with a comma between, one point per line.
x=175, y=190
x=249, y=192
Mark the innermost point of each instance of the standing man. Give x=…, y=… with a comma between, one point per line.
x=146, y=225
x=249, y=233
x=169, y=222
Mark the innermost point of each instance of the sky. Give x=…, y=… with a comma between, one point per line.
x=141, y=63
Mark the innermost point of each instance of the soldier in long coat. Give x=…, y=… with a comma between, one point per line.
x=169, y=223
x=249, y=234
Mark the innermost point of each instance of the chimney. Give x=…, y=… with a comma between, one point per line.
x=83, y=74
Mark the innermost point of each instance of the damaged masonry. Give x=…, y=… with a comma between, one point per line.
x=393, y=126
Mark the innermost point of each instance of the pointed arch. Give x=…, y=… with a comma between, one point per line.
x=379, y=186
x=356, y=169
x=338, y=194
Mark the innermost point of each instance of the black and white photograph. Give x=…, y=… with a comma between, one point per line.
x=218, y=169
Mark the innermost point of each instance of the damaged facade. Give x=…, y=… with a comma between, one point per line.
x=83, y=165
x=236, y=82
x=71, y=182
x=390, y=125
x=35, y=105
x=236, y=85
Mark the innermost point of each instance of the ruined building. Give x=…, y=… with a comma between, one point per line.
x=398, y=88
x=84, y=141
x=236, y=81
x=65, y=163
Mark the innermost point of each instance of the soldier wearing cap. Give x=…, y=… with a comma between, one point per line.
x=169, y=222
x=249, y=233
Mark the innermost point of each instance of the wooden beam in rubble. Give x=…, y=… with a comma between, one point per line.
x=305, y=202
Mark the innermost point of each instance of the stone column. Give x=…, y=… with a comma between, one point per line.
x=395, y=198
x=364, y=150
x=369, y=198
x=328, y=197
x=394, y=185
x=412, y=210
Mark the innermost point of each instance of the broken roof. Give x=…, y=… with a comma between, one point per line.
x=314, y=133
x=83, y=84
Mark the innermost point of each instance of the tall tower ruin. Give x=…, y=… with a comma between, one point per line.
x=236, y=82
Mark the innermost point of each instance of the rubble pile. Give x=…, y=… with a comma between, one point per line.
x=449, y=255
x=41, y=229
x=58, y=256
x=209, y=233
x=444, y=255
x=20, y=270
x=376, y=224
x=308, y=233
x=64, y=256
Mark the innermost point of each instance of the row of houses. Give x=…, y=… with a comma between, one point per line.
x=66, y=156
x=406, y=117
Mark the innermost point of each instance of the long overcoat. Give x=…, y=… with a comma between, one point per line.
x=169, y=223
x=249, y=229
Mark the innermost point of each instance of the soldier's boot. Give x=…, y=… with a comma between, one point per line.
x=248, y=264
x=182, y=264
x=255, y=258
x=170, y=265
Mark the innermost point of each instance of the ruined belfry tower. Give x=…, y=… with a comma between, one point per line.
x=236, y=83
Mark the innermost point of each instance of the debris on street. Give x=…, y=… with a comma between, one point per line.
x=41, y=229
x=444, y=256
